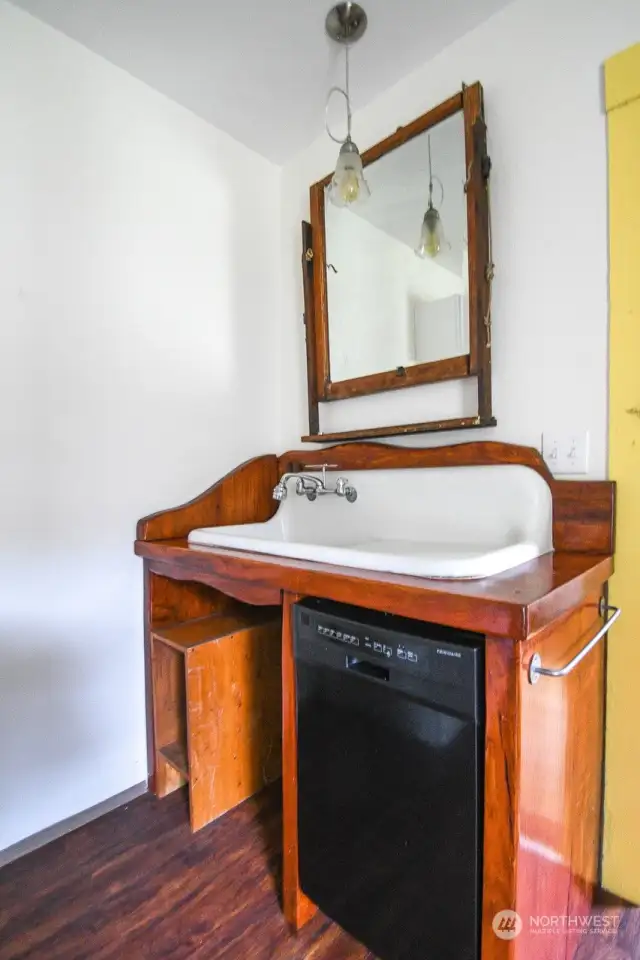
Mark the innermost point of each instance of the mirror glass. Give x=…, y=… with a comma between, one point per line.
x=388, y=306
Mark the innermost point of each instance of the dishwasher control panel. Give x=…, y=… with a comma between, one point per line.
x=344, y=634
x=360, y=639
x=367, y=642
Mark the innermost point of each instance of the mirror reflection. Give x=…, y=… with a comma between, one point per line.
x=397, y=264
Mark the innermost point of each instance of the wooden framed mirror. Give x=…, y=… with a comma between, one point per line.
x=398, y=288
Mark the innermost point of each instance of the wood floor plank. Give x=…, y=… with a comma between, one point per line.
x=138, y=884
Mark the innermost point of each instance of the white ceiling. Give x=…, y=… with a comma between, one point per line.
x=260, y=70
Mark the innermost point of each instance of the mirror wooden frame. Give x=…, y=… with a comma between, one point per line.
x=477, y=363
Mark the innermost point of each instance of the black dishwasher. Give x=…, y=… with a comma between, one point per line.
x=390, y=716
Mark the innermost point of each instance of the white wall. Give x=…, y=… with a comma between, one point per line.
x=540, y=62
x=139, y=284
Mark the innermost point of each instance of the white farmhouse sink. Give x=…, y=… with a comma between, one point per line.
x=445, y=522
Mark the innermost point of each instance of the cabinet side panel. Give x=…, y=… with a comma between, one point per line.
x=298, y=909
x=169, y=712
x=243, y=496
x=561, y=788
x=233, y=719
x=501, y=794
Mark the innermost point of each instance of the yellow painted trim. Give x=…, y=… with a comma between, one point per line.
x=622, y=78
x=621, y=866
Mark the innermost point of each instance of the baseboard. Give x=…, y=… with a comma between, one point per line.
x=604, y=898
x=29, y=844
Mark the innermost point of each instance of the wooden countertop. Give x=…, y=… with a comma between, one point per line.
x=515, y=604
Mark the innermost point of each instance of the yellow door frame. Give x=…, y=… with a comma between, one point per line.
x=621, y=864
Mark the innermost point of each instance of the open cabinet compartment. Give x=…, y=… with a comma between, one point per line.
x=216, y=683
x=170, y=708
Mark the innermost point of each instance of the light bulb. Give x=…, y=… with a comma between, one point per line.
x=431, y=235
x=348, y=185
x=432, y=246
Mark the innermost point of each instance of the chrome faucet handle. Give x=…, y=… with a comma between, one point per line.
x=306, y=484
x=343, y=489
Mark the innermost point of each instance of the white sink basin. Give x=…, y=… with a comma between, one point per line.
x=448, y=522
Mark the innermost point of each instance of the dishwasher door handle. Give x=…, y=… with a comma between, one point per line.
x=536, y=670
x=366, y=668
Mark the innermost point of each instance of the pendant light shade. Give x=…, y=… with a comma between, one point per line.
x=431, y=235
x=348, y=185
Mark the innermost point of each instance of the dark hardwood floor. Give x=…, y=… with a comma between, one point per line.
x=138, y=884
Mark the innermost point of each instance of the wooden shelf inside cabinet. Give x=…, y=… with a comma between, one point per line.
x=217, y=708
x=192, y=633
x=176, y=755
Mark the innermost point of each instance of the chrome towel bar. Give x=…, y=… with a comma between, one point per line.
x=536, y=670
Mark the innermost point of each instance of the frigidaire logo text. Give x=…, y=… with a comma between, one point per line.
x=449, y=653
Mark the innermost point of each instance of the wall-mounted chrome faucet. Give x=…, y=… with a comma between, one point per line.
x=312, y=487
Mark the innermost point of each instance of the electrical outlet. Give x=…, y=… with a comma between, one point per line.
x=566, y=453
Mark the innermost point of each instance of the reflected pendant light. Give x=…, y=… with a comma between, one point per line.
x=431, y=235
x=345, y=24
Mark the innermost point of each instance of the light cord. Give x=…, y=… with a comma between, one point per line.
x=344, y=92
x=346, y=71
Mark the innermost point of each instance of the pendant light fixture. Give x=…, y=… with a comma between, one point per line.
x=431, y=235
x=345, y=24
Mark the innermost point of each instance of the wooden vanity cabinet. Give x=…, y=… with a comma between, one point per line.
x=544, y=740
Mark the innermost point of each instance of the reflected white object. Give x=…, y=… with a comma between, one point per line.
x=440, y=329
x=449, y=522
